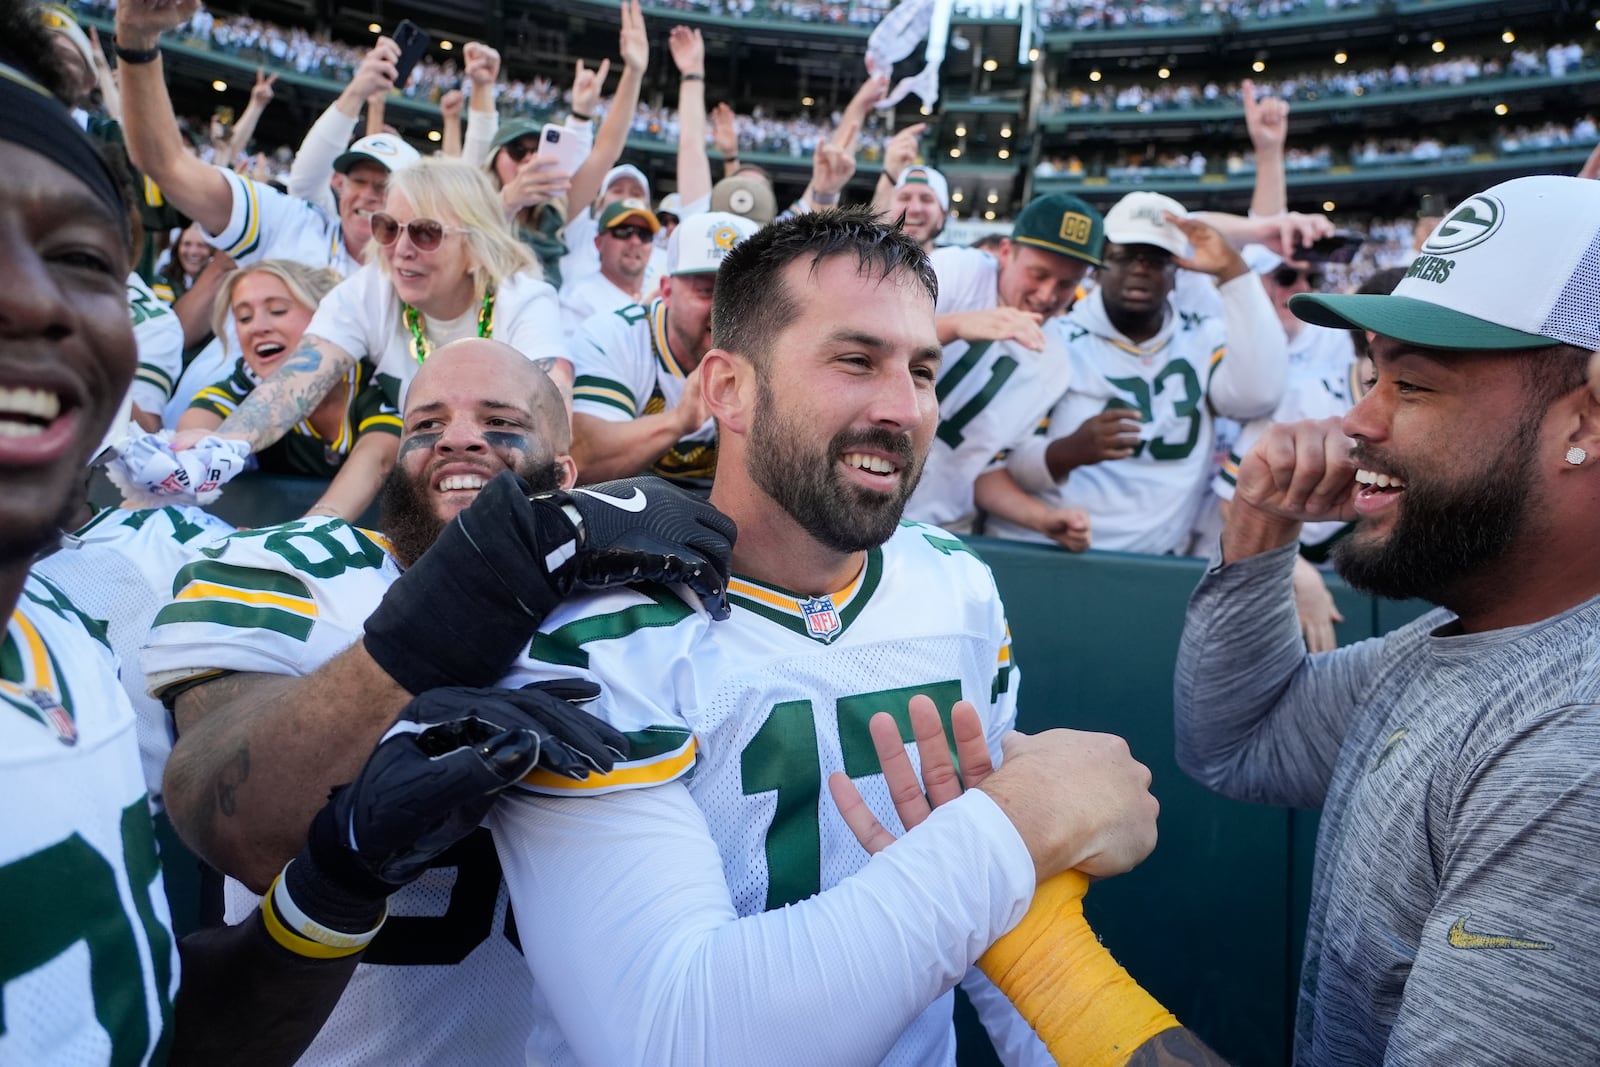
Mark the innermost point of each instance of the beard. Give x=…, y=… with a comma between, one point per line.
x=809, y=487
x=1446, y=532
x=407, y=516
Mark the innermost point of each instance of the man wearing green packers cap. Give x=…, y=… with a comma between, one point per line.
x=1000, y=374
x=1456, y=760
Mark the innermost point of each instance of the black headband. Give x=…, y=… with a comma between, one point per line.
x=30, y=116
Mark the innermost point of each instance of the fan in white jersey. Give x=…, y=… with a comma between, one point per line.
x=635, y=399
x=704, y=903
x=1001, y=371
x=445, y=266
x=92, y=976
x=159, y=335
x=625, y=242
x=279, y=614
x=1131, y=441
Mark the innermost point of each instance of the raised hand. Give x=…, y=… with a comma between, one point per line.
x=1211, y=252
x=725, y=130
x=1267, y=121
x=451, y=104
x=140, y=23
x=902, y=150
x=586, y=86
x=688, y=50
x=537, y=181
x=261, y=91
x=481, y=64
x=375, y=73
x=633, y=44
x=1300, y=471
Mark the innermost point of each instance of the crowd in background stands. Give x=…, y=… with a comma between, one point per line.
x=1086, y=15
x=1559, y=60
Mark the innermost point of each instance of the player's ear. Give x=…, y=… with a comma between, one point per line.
x=569, y=470
x=727, y=384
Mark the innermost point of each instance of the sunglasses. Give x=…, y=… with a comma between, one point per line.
x=1287, y=276
x=426, y=234
x=520, y=150
x=627, y=233
x=1150, y=259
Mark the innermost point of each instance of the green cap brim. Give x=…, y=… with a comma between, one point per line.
x=1413, y=321
x=1058, y=249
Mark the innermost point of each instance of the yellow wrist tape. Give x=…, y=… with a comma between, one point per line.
x=287, y=926
x=1082, y=1004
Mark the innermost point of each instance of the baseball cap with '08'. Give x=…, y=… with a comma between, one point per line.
x=1516, y=266
x=1064, y=225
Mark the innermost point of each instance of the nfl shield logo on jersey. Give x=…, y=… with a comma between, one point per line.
x=822, y=618
x=55, y=716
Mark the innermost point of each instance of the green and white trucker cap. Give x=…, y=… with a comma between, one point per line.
x=1516, y=266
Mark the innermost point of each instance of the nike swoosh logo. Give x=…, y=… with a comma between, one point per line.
x=1389, y=745
x=1461, y=937
x=634, y=503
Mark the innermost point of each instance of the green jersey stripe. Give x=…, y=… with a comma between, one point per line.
x=250, y=579
x=564, y=644
x=237, y=616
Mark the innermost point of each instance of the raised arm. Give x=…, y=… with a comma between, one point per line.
x=694, y=164
x=155, y=145
x=612, y=136
x=245, y=128
x=329, y=136
x=1267, y=122
x=898, y=154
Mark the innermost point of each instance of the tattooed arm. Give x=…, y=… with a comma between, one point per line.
x=258, y=753
x=274, y=406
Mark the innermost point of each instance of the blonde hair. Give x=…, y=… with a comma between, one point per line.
x=307, y=285
x=446, y=189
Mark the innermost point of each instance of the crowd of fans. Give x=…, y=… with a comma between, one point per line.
x=1558, y=61
x=1089, y=15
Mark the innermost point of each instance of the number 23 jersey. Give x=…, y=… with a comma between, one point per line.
x=756, y=712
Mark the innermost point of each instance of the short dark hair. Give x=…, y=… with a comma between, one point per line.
x=752, y=305
x=1548, y=374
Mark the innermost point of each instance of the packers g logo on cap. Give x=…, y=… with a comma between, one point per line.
x=1472, y=223
x=1076, y=227
x=724, y=237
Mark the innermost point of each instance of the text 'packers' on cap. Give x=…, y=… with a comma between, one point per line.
x=701, y=241
x=1516, y=266
x=1064, y=225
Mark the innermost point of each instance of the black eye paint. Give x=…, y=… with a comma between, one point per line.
x=419, y=442
x=499, y=440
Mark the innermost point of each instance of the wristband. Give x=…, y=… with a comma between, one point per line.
x=580, y=116
x=135, y=55
x=824, y=199
x=294, y=930
x=691, y=77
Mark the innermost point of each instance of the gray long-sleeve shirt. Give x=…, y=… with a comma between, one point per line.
x=1455, y=909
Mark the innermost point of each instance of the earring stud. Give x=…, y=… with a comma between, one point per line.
x=1576, y=456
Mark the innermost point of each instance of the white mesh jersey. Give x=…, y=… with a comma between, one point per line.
x=1145, y=502
x=363, y=316
x=88, y=964
x=991, y=393
x=444, y=982
x=624, y=367
x=267, y=224
x=159, y=337
x=758, y=710
x=118, y=569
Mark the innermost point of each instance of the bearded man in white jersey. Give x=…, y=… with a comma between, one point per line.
x=290, y=648
x=703, y=903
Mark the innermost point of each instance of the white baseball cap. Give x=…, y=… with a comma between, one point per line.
x=917, y=174
x=1140, y=219
x=383, y=148
x=670, y=205
x=700, y=242
x=626, y=170
x=1516, y=266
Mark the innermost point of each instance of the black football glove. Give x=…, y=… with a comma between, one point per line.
x=429, y=783
x=462, y=613
x=645, y=529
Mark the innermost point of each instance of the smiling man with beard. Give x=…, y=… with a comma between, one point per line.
x=702, y=903
x=1456, y=760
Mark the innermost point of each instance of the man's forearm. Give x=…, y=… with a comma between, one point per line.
x=245, y=999
x=1249, y=381
x=257, y=755
x=274, y=406
x=694, y=164
x=607, y=450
